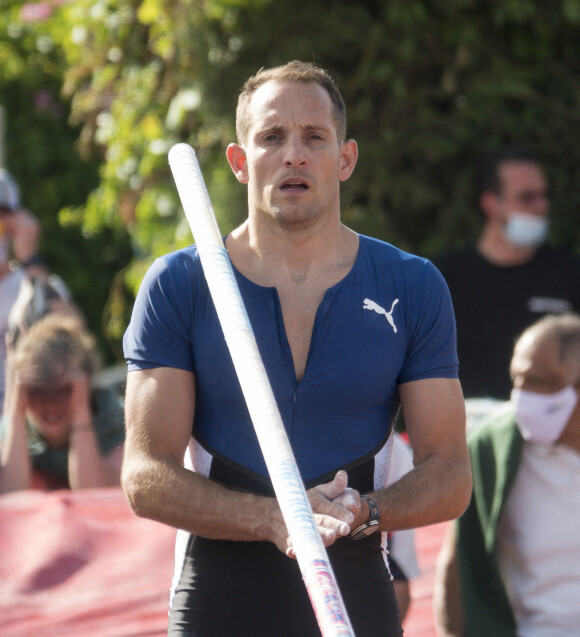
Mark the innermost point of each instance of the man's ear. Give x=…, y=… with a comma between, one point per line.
x=489, y=204
x=348, y=157
x=237, y=159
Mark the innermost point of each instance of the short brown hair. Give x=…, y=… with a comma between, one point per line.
x=51, y=348
x=294, y=71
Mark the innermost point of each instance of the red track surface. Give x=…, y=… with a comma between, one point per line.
x=419, y=621
x=82, y=564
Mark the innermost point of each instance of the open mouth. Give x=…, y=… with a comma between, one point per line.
x=294, y=185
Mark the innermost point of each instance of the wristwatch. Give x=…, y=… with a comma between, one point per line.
x=372, y=523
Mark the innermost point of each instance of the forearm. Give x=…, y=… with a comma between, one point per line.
x=16, y=464
x=165, y=491
x=159, y=409
x=434, y=491
x=86, y=467
x=439, y=487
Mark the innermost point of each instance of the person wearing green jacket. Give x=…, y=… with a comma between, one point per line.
x=509, y=564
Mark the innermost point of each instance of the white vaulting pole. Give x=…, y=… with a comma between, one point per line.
x=288, y=486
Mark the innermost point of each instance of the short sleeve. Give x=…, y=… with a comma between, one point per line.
x=159, y=333
x=432, y=345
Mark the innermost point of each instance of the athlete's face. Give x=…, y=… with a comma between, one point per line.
x=292, y=160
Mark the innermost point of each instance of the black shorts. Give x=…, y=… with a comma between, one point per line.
x=251, y=589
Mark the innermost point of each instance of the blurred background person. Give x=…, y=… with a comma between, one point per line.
x=58, y=430
x=27, y=289
x=19, y=232
x=402, y=552
x=509, y=278
x=509, y=564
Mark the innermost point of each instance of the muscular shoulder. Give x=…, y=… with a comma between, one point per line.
x=381, y=256
x=380, y=250
x=172, y=277
x=176, y=263
x=159, y=332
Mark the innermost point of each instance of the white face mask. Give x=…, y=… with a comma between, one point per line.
x=543, y=417
x=525, y=230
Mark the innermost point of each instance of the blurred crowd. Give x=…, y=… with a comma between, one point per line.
x=58, y=429
x=509, y=564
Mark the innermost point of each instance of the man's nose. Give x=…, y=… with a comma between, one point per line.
x=295, y=153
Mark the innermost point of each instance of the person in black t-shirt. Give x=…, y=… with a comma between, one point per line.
x=509, y=278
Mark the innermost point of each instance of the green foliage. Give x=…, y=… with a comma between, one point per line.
x=429, y=86
x=41, y=154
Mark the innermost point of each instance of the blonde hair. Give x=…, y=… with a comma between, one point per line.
x=51, y=348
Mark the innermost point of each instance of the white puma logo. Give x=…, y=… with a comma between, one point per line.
x=371, y=305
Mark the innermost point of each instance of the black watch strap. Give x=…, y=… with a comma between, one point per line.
x=372, y=522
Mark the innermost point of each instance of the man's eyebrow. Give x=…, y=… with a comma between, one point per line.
x=267, y=130
x=275, y=126
x=317, y=126
x=278, y=128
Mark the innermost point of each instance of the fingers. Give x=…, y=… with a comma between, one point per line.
x=18, y=394
x=330, y=530
x=80, y=401
x=349, y=499
x=333, y=489
x=335, y=499
x=335, y=507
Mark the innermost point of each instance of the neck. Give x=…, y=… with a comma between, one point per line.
x=294, y=255
x=496, y=249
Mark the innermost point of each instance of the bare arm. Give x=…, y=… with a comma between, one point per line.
x=446, y=593
x=87, y=468
x=159, y=408
x=439, y=486
x=16, y=472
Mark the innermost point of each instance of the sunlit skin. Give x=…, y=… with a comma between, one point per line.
x=292, y=160
x=293, y=163
x=53, y=409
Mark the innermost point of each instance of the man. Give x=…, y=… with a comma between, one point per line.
x=19, y=232
x=510, y=564
x=348, y=328
x=509, y=279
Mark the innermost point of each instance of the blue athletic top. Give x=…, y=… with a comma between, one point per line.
x=389, y=321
